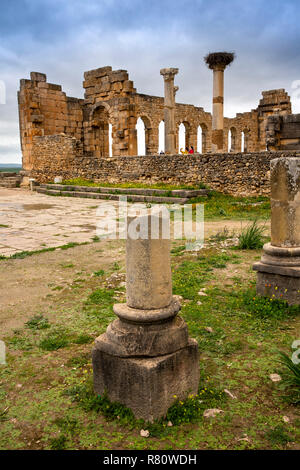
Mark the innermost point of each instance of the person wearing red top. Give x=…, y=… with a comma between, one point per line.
x=191, y=149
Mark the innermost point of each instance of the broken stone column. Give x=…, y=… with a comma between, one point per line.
x=169, y=109
x=217, y=61
x=278, y=272
x=146, y=356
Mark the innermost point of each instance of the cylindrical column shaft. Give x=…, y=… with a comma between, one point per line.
x=169, y=109
x=148, y=265
x=285, y=202
x=218, y=103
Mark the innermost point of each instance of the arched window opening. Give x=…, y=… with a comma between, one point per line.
x=110, y=139
x=229, y=141
x=181, y=137
x=199, y=140
x=161, y=137
x=141, y=137
x=245, y=140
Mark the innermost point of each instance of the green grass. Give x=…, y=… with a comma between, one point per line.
x=49, y=391
x=38, y=322
x=227, y=207
x=25, y=254
x=58, y=443
x=278, y=436
x=166, y=186
x=267, y=308
x=99, y=273
x=55, y=340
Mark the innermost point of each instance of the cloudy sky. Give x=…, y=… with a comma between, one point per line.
x=63, y=38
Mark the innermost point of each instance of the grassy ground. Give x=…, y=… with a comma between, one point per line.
x=227, y=207
x=217, y=206
x=105, y=184
x=46, y=387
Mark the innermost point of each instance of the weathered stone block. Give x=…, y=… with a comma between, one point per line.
x=118, y=76
x=147, y=385
x=38, y=77
x=281, y=282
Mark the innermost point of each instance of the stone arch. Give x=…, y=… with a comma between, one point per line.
x=100, y=120
x=183, y=137
x=151, y=137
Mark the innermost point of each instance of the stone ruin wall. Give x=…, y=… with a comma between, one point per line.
x=44, y=109
x=283, y=132
x=241, y=174
x=110, y=98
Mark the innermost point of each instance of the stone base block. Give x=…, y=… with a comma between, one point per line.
x=282, y=282
x=147, y=385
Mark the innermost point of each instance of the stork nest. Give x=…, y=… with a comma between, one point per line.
x=219, y=58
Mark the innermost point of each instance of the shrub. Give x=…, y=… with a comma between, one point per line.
x=252, y=237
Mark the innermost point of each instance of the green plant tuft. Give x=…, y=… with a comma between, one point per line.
x=278, y=436
x=38, y=322
x=291, y=378
x=252, y=237
x=58, y=443
x=55, y=340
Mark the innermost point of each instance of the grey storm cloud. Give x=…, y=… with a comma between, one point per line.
x=63, y=38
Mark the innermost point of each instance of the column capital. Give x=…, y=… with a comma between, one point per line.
x=169, y=73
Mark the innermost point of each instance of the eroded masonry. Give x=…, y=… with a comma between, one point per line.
x=75, y=137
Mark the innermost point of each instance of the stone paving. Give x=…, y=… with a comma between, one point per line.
x=31, y=221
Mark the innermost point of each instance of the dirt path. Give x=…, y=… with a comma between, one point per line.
x=29, y=221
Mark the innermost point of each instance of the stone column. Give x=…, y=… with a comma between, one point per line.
x=217, y=61
x=169, y=109
x=146, y=357
x=278, y=272
x=218, y=103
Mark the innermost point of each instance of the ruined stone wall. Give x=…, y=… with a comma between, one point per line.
x=44, y=109
x=273, y=102
x=237, y=174
x=283, y=132
x=109, y=99
x=111, y=102
x=151, y=110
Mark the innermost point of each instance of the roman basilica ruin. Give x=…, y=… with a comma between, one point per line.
x=93, y=137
